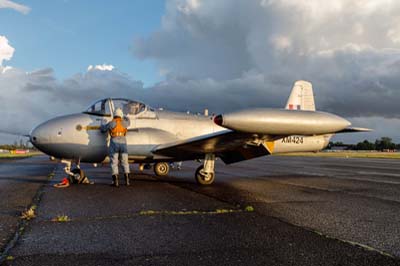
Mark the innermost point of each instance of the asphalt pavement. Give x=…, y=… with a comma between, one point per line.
x=20, y=185
x=268, y=211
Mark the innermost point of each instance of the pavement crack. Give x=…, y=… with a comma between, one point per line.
x=156, y=213
x=22, y=224
x=353, y=243
x=348, y=242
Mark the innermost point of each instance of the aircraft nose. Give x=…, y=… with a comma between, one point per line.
x=47, y=133
x=53, y=136
x=40, y=135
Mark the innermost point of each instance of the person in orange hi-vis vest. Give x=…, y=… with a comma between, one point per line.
x=117, y=128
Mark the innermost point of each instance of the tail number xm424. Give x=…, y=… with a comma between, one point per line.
x=293, y=139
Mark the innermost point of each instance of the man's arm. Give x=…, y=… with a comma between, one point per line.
x=126, y=122
x=105, y=127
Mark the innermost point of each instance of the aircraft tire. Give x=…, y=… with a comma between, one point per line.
x=203, y=179
x=161, y=169
x=76, y=172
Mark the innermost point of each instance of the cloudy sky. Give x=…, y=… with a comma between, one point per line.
x=57, y=56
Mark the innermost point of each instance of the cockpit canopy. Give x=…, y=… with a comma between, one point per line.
x=105, y=107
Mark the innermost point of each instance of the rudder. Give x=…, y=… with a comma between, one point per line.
x=301, y=97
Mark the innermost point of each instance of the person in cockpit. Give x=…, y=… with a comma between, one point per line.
x=132, y=108
x=117, y=128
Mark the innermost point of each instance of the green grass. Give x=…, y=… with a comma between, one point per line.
x=347, y=154
x=16, y=156
x=61, y=218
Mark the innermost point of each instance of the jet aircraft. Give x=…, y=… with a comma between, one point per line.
x=161, y=137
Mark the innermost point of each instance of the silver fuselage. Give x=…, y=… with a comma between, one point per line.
x=77, y=136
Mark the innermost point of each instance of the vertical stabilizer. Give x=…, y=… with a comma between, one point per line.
x=301, y=97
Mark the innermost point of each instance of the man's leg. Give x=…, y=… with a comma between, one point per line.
x=125, y=165
x=114, y=167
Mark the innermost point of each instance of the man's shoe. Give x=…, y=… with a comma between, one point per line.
x=115, y=182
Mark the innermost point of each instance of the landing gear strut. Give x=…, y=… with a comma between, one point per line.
x=205, y=174
x=67, y=168
x=75, y=174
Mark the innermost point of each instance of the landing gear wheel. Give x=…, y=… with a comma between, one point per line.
x=78, y=171
x=161, y=169
x=204, y=178
x=79, y=175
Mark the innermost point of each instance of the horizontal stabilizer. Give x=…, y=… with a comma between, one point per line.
x=354, y=130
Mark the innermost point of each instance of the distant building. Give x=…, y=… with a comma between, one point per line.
x=339, y=148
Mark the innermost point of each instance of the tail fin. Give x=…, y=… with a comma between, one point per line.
x=301, y=97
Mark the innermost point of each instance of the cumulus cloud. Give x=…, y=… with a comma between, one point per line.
x=57, y=97
x=54, y=97
x=13, y=5
x=5, y=69
x=103, y=67
x=226, y=55
x=6, y=50
x=352, y=60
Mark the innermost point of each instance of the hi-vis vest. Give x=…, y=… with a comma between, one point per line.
x=119, y=130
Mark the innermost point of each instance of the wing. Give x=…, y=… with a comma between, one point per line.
x=230, y=146
x=8, y=132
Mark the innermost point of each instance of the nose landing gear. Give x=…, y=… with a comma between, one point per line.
x=76, y=175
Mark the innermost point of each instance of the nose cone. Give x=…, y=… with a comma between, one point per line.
x=63, y=137
x=40, y=135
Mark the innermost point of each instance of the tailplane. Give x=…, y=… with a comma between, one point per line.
x=301, y=97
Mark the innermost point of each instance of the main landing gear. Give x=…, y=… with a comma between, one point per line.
x=205, y=174
x=161, y=169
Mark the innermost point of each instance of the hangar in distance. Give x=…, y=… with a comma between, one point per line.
x=160, y=136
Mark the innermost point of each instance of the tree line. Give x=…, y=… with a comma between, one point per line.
x=18, y=145
x=384, y=143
